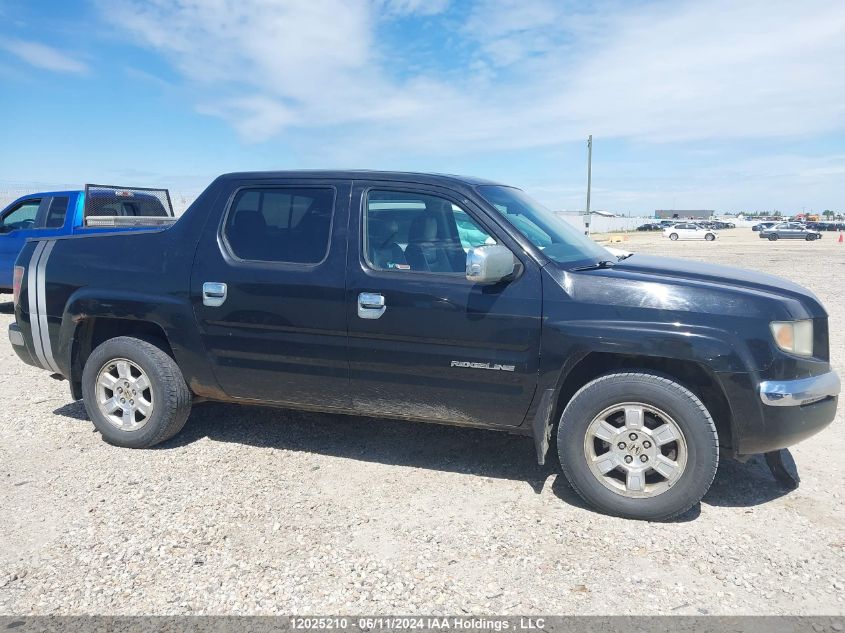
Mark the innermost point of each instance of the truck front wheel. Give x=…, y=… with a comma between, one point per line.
x=134, y=393
x=638, y=445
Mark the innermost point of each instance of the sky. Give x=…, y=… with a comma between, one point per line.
x=717, y=104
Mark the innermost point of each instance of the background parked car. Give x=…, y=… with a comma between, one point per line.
x=689, y=231
x=763, y=226
x=651, y=226
x=790, y=231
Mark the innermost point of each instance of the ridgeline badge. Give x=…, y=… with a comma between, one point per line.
x=493, y=366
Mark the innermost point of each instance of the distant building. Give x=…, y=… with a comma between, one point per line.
x=683, y=214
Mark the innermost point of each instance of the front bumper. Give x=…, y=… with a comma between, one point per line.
x=783, y=413
x=801, y=392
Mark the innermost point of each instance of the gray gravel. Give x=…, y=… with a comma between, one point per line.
x=273, y=512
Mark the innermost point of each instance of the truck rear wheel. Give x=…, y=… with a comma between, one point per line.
x=638, y=445
x=134, y=393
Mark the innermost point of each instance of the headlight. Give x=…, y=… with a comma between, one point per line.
x=795, y=337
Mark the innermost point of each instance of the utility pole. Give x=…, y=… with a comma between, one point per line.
x=589, y=182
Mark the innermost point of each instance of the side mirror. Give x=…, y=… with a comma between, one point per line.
x=489, y=264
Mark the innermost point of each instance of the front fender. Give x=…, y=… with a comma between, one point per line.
x=717, y=349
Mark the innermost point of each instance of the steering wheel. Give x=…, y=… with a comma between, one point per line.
x=18, y=226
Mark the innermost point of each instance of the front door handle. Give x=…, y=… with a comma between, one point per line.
x=213, y=294
x=371, y=305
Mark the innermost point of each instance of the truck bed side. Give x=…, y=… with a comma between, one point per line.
x=79, y=290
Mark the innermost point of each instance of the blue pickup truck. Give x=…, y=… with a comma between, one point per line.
x=57, y=213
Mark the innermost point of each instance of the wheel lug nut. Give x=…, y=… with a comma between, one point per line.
x=643, y=458
x=632, y=436
x=628, y=459
x=123, y=401
x=135, y=392
x=621, y=446
x=120, y=390
x=646, y=444
x=126, y=383
x=132, y=402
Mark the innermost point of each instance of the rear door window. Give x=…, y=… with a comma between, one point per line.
x=57, y=212
x=280, y=224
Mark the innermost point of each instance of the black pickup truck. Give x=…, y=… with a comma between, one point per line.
x=434, y=298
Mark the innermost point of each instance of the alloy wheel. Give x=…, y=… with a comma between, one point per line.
x=635, y=450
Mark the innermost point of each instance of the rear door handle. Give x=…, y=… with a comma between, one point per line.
x=213, y=293
x=371, y=305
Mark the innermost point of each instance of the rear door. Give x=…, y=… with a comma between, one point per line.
x=33, y=217
x=424, y=342
x=797, y=231
x=268, y=286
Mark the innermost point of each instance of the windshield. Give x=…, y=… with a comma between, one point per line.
x=557, y=238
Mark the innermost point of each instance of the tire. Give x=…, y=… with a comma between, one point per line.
x=709, y=237
x=773, y=237
x=810, y=237
x=695, y=451
x=167, y=398
x=673, y=237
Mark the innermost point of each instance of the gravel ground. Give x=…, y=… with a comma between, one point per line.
x=273, y=512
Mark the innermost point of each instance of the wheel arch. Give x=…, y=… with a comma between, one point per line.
x=695, y=376
x=91, y=331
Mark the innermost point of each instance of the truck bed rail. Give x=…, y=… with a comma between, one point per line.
x=128, y=220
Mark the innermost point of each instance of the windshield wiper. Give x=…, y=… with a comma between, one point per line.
x=621, y=257
x=602, y=263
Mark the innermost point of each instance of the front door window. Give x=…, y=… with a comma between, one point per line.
x=21, y=217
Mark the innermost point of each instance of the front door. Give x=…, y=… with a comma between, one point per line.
x=424, y=342
x=268, y=287
x=33, y=217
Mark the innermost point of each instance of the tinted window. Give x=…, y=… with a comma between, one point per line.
x=280, y=224
x=111, y=206
x=419, y=232
x=57, y=212
x=22, y=216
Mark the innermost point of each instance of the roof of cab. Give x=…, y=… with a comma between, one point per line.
x=361, y=174
x=41, y=194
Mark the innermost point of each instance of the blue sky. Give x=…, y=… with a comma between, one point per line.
x=717, y=104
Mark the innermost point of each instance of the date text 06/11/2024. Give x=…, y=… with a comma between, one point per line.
x=418, y=623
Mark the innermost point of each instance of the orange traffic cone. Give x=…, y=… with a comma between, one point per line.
x=841, y=239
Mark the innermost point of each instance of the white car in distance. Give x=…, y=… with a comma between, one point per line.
x=689, y=231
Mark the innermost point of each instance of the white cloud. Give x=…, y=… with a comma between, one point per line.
x=716, y=70
x=539, y=72
x=42, y=56
x=411, y=7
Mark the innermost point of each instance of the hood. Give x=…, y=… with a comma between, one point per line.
x=652, y=282
x=673, y=268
